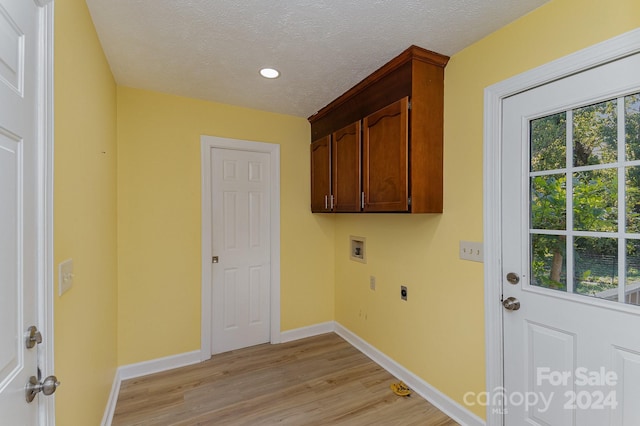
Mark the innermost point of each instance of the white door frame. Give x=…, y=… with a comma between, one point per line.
x=601, y=53
x=45, y=285
x=206, y=144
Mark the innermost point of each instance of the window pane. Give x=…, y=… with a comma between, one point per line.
x=548, y=202
x=632, y=126
x=596, y=267
x=632, y=193
x=632, y=289
x=548, y=142
x=595, y=200
x=595, y=134
x=548, y=264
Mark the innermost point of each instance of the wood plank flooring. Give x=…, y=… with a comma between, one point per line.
x=321, y=380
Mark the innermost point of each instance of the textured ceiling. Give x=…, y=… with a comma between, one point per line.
x=213, y=49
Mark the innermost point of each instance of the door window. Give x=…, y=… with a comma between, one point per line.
x=584, y=193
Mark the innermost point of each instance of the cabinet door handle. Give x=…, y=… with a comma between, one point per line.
x=332, y=205
x=326, y=202
x=362, y=200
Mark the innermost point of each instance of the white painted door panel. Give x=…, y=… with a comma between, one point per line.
x=241, y=241
x=18, y=206
x=564, y=339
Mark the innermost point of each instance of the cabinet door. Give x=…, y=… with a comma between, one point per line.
x=385, y=158
x=346, y=168
x=321, y=175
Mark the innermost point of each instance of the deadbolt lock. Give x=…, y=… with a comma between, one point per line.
x=34, y=337
x=513, y=278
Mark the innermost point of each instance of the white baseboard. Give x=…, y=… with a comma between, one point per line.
x=157, y=365
x=310, y=331
x=139, y=369
x=113, y=398
x=445, y=404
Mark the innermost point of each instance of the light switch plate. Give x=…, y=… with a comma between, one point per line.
x=471, y=250
x=65, y=279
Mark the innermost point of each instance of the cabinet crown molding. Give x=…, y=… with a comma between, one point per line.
x=413, y=52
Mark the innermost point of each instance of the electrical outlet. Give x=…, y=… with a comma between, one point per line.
x=471, y=250
x=403, y=292
x=372, y=282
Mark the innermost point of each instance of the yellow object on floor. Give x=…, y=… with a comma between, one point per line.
x=400, y=389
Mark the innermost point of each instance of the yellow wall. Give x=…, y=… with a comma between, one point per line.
x=145, y=190
x=439, y=332
x=84, y=217
x=159, y=218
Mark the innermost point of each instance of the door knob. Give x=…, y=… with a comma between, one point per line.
x=47, y=387
x=511, y=304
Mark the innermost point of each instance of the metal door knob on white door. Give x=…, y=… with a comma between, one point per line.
x=47, y=387
x=511, y=304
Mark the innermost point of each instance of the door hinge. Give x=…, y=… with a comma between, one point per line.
x=409, y=201
x=409, y=104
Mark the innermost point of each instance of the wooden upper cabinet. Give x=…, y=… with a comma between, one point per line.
x=347, y=157
x=321, y=175
x=400, y=107
x=386, y=159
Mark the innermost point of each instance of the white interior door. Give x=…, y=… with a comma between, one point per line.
x=19, y=207
x=571, y=237
x=241, y=240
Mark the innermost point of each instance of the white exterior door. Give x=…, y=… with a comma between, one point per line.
x=19, y=207
x=571, y=238
x=241, y=187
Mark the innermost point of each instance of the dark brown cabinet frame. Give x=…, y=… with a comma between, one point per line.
x=417, y=75
x=321, y=201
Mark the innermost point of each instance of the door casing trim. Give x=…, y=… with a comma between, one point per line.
x=206, y=144
x=598, y=54
x=46, y=282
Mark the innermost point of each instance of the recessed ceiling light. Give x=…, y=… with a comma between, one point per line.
x=269, y=73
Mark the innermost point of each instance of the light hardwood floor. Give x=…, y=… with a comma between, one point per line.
x=321, y=380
